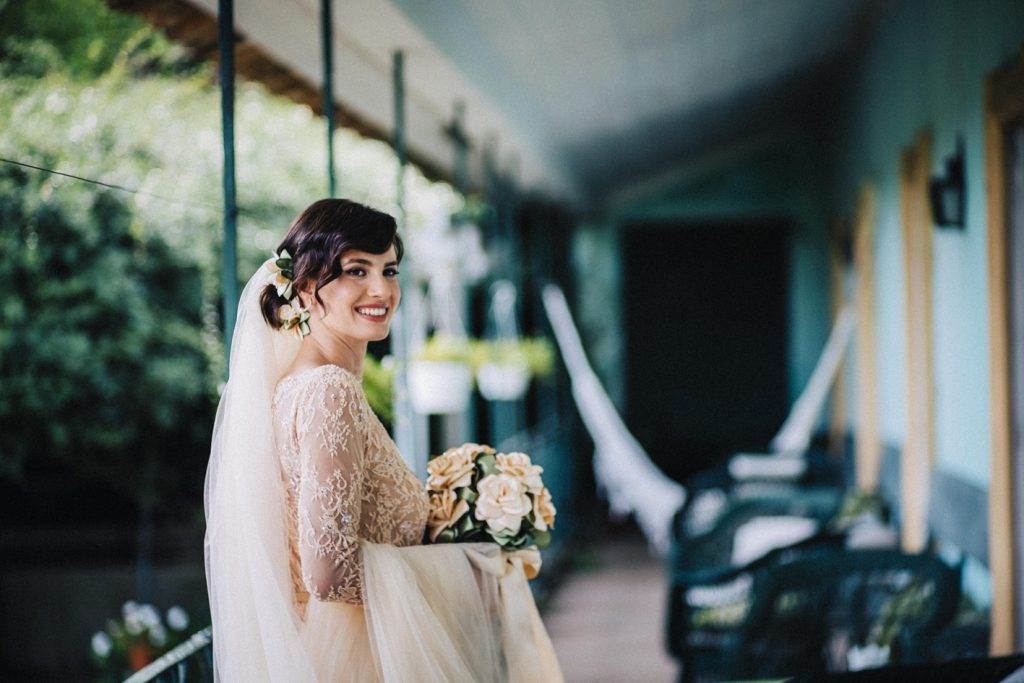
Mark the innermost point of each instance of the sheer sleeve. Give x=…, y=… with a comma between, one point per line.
x=331, y=436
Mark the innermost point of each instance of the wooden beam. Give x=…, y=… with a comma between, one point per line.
x=919, y=444
x=837, y=266
x=868, y=447
x=1004, y=103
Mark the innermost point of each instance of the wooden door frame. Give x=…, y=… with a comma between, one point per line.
x=1003, y=104
x=838, y=252
x=868, y=442
x=919, y=443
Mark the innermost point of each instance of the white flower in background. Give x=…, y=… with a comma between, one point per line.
x=133, y=623
x=503, y=502
x=129, y=608
x=101, y=644
x=519, y=465
x=177, y=618
x=158, y=635
x=149, y=616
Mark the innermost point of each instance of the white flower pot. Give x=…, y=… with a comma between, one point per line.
x=503, y=381
x=439, y=386
x=859, y=658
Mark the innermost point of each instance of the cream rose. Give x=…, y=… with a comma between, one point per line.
x=543, y=510
x=519, y=465
x=503, y=502
x=445, y=509
x=451, y=470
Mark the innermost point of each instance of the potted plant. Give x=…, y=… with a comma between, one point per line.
x=505, y=366
x=137, y=638
x=440, y=376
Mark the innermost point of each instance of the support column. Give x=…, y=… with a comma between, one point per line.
x=327, y=51
x=229, y=246
x=462, y=427
x=410, y=428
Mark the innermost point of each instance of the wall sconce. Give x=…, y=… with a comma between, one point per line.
x=947, y=192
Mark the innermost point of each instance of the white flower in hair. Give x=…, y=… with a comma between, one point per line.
x=294, y=319
x=281, y=276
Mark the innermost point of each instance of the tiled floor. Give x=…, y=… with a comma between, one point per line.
x=607, y=623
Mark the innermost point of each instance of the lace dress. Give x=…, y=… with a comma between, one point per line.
x=345, y=483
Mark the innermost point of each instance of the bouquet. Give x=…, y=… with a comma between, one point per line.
x=477, y=494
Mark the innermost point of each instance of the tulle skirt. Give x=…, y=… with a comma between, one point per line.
x=447, y=612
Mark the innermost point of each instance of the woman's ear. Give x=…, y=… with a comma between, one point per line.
x=306, y=298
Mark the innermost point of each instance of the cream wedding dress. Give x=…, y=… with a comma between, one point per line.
x=314, y=567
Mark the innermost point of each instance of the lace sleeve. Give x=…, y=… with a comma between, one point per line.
x=331, y=444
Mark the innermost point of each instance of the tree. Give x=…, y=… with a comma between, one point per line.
x=101, y=349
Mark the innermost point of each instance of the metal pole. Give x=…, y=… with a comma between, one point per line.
x=466, y=421
x=327, y=48
x=229, y=248
x=398, y=81
x=410, y=428
x=461, y=142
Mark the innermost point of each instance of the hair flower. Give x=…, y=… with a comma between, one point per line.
x=281, y=276
x=294, y=319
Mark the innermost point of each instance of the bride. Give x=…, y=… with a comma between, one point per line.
x=314, y=523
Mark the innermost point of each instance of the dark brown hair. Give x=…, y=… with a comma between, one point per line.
x=318, y=238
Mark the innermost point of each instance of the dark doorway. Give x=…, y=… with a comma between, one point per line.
x=706, y=329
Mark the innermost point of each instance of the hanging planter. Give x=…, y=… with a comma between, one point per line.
x=505, y=366
x=438, y=387
x=440, y=377
x=503, y=381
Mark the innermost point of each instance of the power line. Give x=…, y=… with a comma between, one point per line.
x=114, y=186
x=133, y=190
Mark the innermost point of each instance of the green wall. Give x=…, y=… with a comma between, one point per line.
x=923, y=68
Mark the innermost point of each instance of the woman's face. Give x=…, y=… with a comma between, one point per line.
x=361, y=302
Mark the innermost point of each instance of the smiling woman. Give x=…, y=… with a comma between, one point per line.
x=348, y=253
x=314, y=560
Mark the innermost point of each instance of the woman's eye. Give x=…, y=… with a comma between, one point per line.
x=391, y=272
x=356, y=271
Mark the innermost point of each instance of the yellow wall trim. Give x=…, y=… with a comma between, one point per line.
x=1004, y=103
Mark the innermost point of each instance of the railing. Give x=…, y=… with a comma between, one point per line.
x=190, y=661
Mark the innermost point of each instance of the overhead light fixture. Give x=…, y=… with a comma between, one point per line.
x=947, y=193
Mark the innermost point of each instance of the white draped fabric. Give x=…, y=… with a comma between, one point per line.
x=796, y=432
x=631, y=482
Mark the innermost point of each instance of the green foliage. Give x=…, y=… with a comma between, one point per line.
x=100, y=351
x=111, y=344
x=378, y=385
x=535, y=352
x=85, y=39
x=444, y=347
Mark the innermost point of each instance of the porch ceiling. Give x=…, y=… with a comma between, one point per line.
x=587, y=96
x=615, y=91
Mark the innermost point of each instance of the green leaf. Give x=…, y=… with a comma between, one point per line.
x=542, y=539
x=467, y=494
x=488, y=464
x=467, y=524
